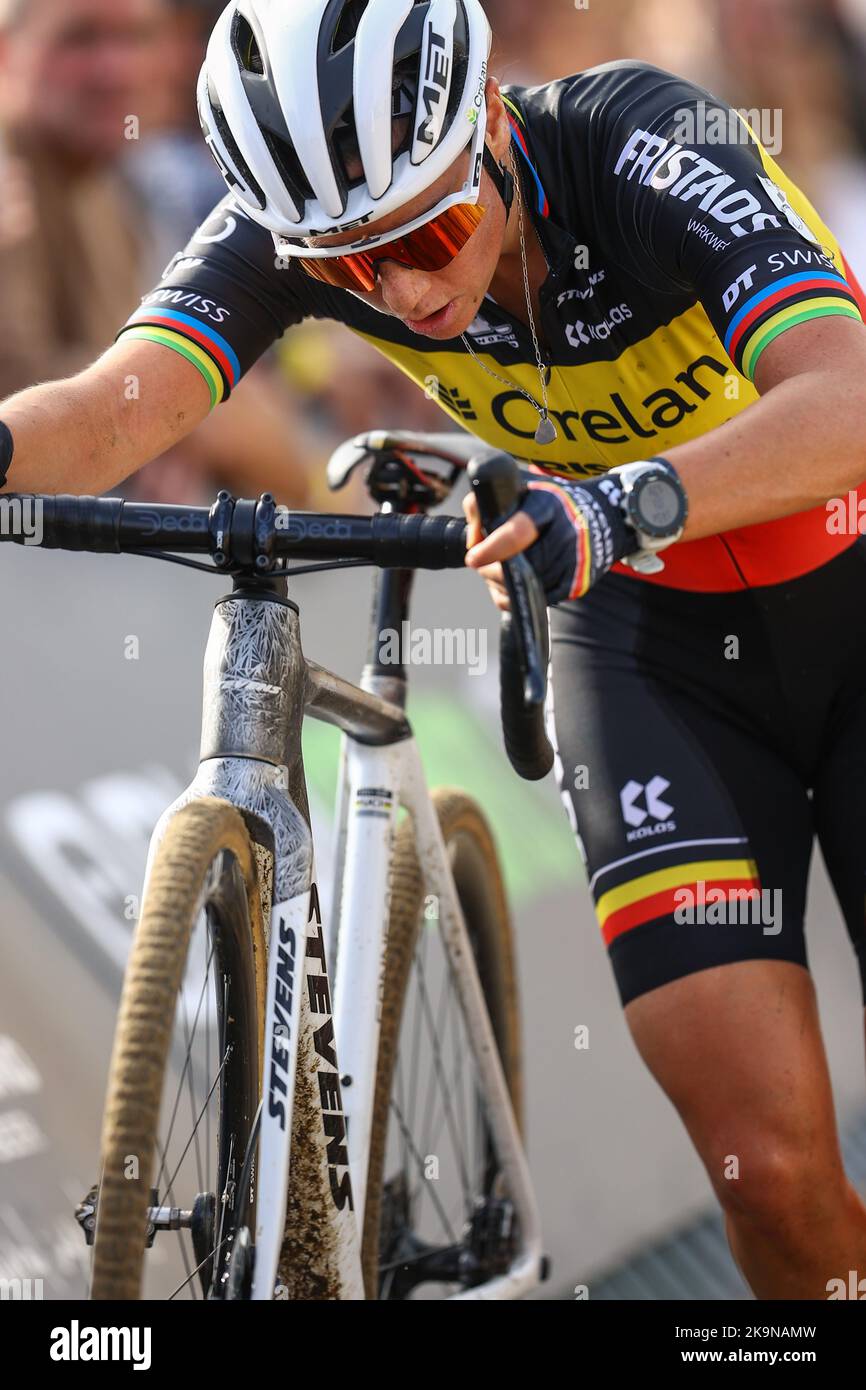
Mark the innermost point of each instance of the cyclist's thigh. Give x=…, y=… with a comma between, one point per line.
x=672, y=796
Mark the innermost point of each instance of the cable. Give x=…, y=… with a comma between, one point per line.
x=233, y=570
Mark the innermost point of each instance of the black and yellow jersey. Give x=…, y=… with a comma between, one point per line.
x=678, y=250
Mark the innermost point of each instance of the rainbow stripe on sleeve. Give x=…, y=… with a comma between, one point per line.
x=195, y=339
x=807, y=295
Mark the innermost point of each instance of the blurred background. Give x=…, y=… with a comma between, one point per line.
x=95, y=201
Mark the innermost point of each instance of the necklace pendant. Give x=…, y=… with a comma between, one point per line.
x=546, y=432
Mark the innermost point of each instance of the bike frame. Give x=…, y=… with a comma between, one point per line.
x=316, y=1114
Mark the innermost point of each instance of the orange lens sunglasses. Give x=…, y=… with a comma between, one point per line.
x=429, y=247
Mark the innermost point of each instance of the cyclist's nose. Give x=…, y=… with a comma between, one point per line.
x=403, y=288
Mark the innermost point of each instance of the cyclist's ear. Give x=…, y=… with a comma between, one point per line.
x=498, y=135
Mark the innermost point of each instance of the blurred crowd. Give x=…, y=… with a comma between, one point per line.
x=104, y=175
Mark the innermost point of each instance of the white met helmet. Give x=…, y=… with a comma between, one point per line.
x=325, y=114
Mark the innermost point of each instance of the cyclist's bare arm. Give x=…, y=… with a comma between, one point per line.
x=89, y=432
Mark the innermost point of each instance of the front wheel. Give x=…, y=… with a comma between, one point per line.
x=176, y=1194
x=438, y=1216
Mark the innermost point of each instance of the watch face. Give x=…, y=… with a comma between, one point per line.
x=658, y=506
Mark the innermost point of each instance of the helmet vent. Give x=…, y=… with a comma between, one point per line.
x=289, y=166
x=232, y=148
x=246, y=46
x=347, y=24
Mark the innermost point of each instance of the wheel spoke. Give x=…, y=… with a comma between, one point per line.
x=441, y=1010
x=193, y=1105
x=467, y=1167
x=187, y=1063
x=195, y=1271
x=181, y=1241
x=198, y=1121
x=437, y=1064
x=419, y=1161
x=223, y=1196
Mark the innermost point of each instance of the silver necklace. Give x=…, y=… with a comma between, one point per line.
x=546, y=432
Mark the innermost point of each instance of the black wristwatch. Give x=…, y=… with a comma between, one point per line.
x=7, y=448
x=655, y=505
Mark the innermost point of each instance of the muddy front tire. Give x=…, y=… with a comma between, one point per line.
x=204, y=863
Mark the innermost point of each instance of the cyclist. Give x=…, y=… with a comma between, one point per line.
x=595, y=274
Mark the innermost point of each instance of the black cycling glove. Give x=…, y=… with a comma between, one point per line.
x=582, y=533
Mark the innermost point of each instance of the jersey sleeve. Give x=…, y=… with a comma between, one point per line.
x=223, y=300
x=690, y=200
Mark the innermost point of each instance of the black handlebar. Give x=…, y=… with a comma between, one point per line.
x=241, y=535
x=244, y=537
x=524, y=641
